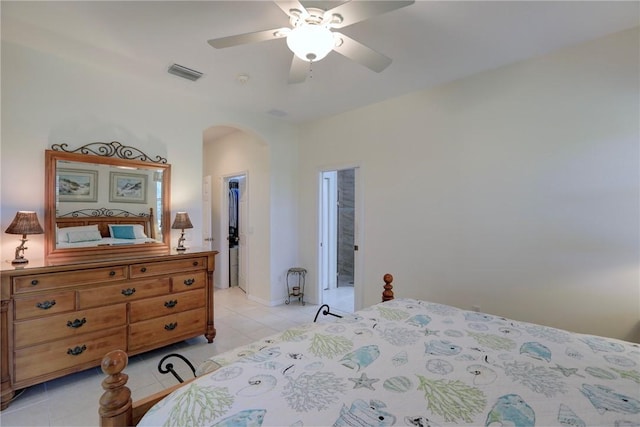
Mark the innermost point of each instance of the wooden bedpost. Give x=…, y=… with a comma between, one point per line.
x=115, y=402
x=387, y=294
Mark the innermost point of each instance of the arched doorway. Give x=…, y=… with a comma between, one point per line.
x=231, y=155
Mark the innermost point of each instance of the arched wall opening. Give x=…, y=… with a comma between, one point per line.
x=231, y=151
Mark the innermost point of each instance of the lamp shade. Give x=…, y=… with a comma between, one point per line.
x=310, y=42
x=182, y=221
x=25, y=222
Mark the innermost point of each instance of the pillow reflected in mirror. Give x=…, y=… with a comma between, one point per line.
x=63, y=233
x=127, y=231
x=83, y=236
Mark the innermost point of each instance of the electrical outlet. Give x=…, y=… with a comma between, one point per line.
x=475, y=308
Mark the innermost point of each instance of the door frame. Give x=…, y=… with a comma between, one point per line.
x=328, y=231
x=358, y=291
x=224, y=229
x=207, y=213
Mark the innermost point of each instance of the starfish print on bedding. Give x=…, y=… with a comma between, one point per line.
x=567, y=372
x=364, y=382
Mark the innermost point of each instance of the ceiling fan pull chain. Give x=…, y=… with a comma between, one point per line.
x=310, y=69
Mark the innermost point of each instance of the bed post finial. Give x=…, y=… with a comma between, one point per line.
x=387, y=294
x=115, y=402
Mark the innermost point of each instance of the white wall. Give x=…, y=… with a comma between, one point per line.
x=46, y=100
x=516, y=189
x=271, y=206
x=235, y=154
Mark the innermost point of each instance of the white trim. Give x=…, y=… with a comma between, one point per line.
x=223, y=228
x=358, y=288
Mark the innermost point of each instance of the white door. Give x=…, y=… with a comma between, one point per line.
x=328, y=231
x=243, y=255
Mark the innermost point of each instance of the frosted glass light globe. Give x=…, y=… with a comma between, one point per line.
x=310, y=42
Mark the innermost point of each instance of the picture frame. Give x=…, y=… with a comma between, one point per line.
x=77, y=185
x=127, y=187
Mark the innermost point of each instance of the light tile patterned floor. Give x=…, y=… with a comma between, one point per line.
x=73, y=399
x=340, y=298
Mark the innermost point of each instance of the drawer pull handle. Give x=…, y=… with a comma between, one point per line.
x=189, y=282
x=112, y=273
x=171, y=304
x=76, y=323
x=195, y=263
x=128, y=292
x=77, y=350
x=34, y=282
x=171, y=326
x=143, y=269
x=46, y=305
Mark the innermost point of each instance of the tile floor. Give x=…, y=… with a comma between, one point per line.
x=73, y=399
x=340, y=298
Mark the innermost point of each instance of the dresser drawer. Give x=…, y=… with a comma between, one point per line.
x=43, y=359
x=185, y=282
x=164, y=267
x=40, y=282
x=35, y=331
x=44, y=305
x=169, y=328
x=122, y=292
x=167, y=304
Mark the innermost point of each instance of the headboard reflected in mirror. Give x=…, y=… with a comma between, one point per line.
x=105, y=200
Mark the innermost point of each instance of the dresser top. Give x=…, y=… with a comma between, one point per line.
x=37, y=265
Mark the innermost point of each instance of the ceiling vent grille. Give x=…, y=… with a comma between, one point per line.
x=184, y=72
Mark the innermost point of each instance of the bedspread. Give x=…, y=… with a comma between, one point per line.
x=412, y=362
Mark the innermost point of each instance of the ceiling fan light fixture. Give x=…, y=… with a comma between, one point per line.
x=310, y=42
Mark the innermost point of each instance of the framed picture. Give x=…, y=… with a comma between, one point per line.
x=128, y=187
x=77, y=185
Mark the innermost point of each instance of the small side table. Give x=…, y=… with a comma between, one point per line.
x=297, y=290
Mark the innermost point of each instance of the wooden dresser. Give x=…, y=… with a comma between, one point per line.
x=60, y=319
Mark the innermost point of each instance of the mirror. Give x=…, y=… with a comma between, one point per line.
x=99, y=207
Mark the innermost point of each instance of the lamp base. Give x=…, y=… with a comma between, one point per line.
x=19, y=261
x=181, y=247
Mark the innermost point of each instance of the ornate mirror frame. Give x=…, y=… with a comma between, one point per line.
x=122, y=159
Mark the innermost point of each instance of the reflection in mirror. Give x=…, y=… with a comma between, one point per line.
x=89, y=189
x=104, y=207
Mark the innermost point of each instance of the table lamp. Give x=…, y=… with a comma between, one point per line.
x=25, y=222
x=181, y=222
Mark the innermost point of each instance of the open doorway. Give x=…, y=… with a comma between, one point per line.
x=337, y=238
x=236, y=195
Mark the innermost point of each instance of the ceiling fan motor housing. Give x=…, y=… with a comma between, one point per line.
x=311, y=39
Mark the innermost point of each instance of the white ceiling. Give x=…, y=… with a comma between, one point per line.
x=430, y=42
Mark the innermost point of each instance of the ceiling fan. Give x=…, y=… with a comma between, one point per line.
x=311, y=36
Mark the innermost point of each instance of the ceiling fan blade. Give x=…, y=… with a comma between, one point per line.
x=356, y=11
x=258, y=36
x=361, y=54
x=298, y=71
x=288, y=5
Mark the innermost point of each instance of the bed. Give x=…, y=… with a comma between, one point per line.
x=104, y=227
x=400, y=362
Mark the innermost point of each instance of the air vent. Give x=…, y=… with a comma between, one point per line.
x=277, y=113
x=184, y=72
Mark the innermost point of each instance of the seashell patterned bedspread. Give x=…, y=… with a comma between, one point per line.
x=411, y=362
